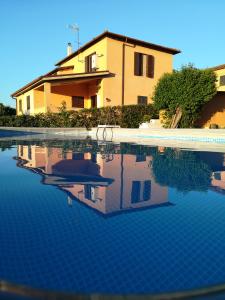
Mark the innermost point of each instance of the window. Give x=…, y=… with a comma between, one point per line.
x=217, y=176
x=222, y=80
x=29, y=152
x=142, y=100
x=140, y=157
x=94, y=101
x=91, y=192
x=21, y=150
x=20, y=105
x=78, y=101
x=141, y=191
x=144, y=65
x=28, y=102
x=90, y=63
x=78, y=156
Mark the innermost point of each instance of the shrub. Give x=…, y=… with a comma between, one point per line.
x=6, y=110
x=189, y=89
x=129, y=116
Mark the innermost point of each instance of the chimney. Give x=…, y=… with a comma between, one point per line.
x=69, y=49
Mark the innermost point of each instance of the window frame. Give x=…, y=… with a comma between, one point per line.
x=74, y=101
x=141, y=99
x=88, y=63
x=20, y=108
x=144, y=64
x=28, y=102
x=222, y=80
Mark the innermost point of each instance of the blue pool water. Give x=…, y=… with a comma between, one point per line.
x=87, y=218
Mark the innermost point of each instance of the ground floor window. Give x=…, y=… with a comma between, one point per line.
x=28, y=102
x=20, y=105
x=78, y=101
x=94, y=101
x=143, y=100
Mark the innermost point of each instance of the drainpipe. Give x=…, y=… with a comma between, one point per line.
x=123, y=68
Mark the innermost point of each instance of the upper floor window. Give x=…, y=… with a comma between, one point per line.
x=20, y=105
x=144, y=65
x=222, y=80
x=91, y=63
x=78, y=101
x=141, y=191
x=28, y=102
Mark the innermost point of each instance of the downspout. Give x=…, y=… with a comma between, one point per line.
x=123, y=75
x=123, y=68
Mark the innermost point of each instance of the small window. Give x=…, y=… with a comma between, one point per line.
x=217, y=176
x=78, y=156
x=142, y=100
x=28, y=102
x=90, y=63
x=20, y=105
x=222, y=80
x=78, y=101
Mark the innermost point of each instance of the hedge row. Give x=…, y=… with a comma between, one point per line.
x=129, y=116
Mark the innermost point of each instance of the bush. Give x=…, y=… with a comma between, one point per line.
x=188, y=89
x=6, y=110
x=129, y=116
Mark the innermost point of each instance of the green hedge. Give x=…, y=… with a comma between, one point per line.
x=129, y=116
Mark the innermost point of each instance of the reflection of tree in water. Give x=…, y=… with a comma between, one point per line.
x=182, y=170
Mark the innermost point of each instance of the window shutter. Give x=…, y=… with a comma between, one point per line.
x=150, y=66
x=138, y=64
x=86, y=64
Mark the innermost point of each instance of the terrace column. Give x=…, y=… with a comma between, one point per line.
x=47, y=96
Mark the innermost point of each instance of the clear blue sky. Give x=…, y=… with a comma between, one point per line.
x=34, y=34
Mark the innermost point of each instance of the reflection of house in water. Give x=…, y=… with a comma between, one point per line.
x=216, y=161
x=122, y=183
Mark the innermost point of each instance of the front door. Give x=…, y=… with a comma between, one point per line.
x=94, y=101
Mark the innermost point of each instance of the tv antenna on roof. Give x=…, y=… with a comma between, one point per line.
x=75, y=29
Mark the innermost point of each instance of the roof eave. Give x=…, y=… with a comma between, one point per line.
x=119, y=37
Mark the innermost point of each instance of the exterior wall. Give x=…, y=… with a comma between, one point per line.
x=23, y=97
x=214, y=112
x=39, y=105
x=79, y=61
x=134, y=85
x=220, y=73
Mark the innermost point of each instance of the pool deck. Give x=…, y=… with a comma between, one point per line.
x=204, y=139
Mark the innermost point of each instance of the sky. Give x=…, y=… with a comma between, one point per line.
x=34, y=34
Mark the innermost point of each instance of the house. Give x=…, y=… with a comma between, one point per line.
x=111, y=69
x=106, y=184
x=214, y=111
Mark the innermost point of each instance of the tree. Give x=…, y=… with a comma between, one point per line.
x=182, y=170
x=188, y=89
x=6, y=110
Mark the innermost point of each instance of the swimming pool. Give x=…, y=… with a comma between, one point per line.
x=83, y=217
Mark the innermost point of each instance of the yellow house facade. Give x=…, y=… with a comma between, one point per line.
x=213, y=112
x=109, y=70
